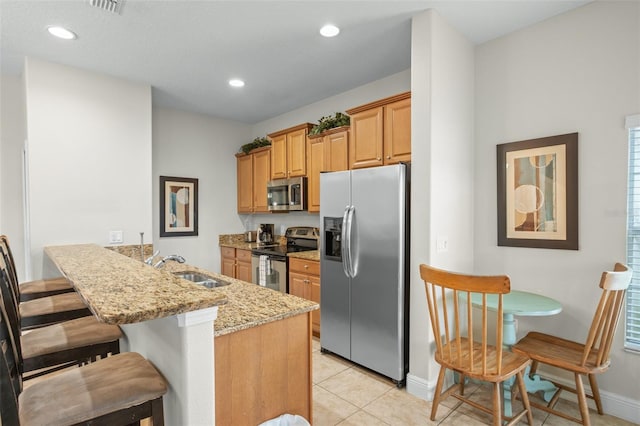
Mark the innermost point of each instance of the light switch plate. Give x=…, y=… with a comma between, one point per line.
x=442, y=244
x=115, y=237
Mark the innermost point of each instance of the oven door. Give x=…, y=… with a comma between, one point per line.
x=270, y=272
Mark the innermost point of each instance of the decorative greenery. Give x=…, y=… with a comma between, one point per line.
x=257, y=143
x=326, y=123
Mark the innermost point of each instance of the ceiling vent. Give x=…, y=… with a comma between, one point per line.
x=113, y=6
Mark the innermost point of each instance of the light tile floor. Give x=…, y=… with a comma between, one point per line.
x=347, y=395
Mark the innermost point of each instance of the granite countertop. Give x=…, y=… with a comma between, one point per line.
x=121, y=290
x=237, y=241
x=307, y=255
x=249, y=305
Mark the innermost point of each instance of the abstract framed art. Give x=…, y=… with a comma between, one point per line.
x=178, y=206
x=538, y=193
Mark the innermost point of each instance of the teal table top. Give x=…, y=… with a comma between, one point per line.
x=521, y=303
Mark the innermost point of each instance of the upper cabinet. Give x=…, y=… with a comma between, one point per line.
x=253, y=173
x=381, y=132
x=327, y=152
x=289, y=152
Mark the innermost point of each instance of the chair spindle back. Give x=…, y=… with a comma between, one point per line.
x=454, y=342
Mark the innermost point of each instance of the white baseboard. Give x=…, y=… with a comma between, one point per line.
x=613, y=404
x=420, y=387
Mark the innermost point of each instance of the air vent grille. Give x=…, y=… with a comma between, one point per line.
x=114, y=6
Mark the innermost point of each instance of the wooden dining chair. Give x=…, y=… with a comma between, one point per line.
x=57, y=346
x=457, y=347
x=30, y=290
x=118, y=390
x=582, y=359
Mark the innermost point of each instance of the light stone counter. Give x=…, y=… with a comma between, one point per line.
x=249, y=305
x=121, y=290
x=306, y=255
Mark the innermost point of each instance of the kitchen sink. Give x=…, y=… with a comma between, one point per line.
x=201, y=279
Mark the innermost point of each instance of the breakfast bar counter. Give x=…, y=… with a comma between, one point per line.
x=121, y=290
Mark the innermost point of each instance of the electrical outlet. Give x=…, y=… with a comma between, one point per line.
x=115, y=237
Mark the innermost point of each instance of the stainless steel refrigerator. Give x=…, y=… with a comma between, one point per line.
x=364, y=220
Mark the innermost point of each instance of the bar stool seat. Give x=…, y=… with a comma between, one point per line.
x=42, y=288
x=116, y=383
x=47, y=310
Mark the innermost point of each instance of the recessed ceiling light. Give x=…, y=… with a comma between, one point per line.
x=62, y=33
x=236, y=82
x=329, y=30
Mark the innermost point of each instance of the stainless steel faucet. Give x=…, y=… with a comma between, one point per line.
x=149, y=260
x=174, y=257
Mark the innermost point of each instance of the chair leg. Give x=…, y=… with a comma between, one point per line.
x=497, y=406
x=157, y=413
x=582, y=401
x=525, y=397
x=437, y=394
x=596, y=392
x=534, y=368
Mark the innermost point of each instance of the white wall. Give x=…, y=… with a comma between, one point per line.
x=396, y=83
x=442, y=171
x=89, y=143
x=12, y=136
x=577, y=72
x=197, y=146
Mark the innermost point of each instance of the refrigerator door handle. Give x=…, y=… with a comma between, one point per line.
x=352, y=272
x=347, y=227
x=346, y=261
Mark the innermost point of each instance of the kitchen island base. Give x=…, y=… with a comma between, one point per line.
x=264, y=372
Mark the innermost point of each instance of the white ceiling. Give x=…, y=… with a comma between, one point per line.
x=187, y=50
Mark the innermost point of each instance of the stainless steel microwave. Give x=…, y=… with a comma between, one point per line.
x=287, y=194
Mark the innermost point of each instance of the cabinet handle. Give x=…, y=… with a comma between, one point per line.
x=378, y=158
x=388, y=157
x=306, y=266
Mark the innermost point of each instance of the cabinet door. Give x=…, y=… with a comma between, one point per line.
x=229, y=267
x=337, y=151
x=313, y=288
x=261, y=175
x=297, y=153
x=243, y=271
x=397, y=132
x=366, y=138
x=297, y=284
x=279, y=157
x=245, y=183
x=316, y=165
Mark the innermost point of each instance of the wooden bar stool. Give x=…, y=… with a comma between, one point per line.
x=30, y=290
x=119, y=390
x=58, y=346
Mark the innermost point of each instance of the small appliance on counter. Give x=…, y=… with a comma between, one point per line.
x=250, y=236
x=265, y=233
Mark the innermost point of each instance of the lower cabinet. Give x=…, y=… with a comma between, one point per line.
x=304, y=281
x=236, y=263
x=263, y=372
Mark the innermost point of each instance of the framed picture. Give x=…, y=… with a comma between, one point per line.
x=178, y=206
x=538, y=193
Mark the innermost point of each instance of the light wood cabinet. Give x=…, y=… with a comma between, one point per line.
x=236, y=263
x=253, y=173
x=326, y=152
x=289, y=152
x=263, y=372
x=381, y=132
x=304, y=281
